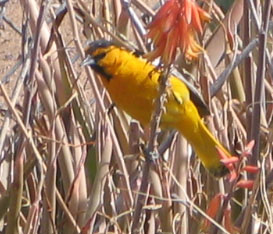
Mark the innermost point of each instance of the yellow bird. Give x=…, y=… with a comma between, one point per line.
x=133, y=84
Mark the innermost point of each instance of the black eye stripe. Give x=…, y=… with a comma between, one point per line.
x=99, y=69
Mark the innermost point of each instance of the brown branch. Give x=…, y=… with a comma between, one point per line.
x=152, y=150
x=256, y=115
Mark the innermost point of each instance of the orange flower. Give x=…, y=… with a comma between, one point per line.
x=228, y=222
x=233, y=164
x=248, y=149
x=248, y=184
x=174, y=27
x=213, y=208
x=229, y=163
x=251, y=169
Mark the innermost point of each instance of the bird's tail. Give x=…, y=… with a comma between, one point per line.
x=205, y=146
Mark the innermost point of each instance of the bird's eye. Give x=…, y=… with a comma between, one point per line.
x=99, y=56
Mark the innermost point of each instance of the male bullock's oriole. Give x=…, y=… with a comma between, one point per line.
x=133, y=84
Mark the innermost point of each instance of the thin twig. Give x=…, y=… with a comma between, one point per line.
x=134, y=18
x=256, y=116
x=152, y=150
x=12, y=25
x=247, y=68
x=15, y=95
x=6, y=78
x=216, y=86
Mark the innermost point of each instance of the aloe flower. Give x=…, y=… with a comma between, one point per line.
x=174, y=26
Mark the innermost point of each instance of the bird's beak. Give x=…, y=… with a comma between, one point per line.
x=88, y=61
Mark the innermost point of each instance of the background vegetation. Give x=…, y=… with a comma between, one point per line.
x=72, y=163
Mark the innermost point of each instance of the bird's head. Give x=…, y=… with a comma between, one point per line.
x=97, y=57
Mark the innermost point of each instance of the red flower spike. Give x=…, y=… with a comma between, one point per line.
x=163, y=12
x=204, y=16
x=228, y=222
x=248, y=149
x=156, y=53
x=193, y=50
x=155, y=34
x=196, y=21
x=251, y=169
x=247, y=184
x=171, y=22
x=229, y=160
x=213, y=208
x=232, y=175
x=229, y=163
x=188, y=11
x=173, y=27
x=162, y=40
x=183, y=30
